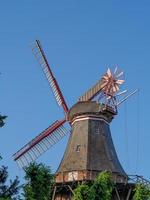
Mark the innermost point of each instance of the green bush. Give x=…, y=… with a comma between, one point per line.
x=100, y=189
x=103, y=186
x=142, y=192
x=83, y=192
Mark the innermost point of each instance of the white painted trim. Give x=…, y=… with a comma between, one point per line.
x=82, y=118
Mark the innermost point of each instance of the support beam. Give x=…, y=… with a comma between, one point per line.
x=53, y=197
x=117, y=193
x=129, y=193
x=71, y=189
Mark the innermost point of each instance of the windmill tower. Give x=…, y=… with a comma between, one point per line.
x=90, y=148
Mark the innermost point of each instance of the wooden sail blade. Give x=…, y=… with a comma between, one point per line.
x=31, y=151
x=41, y=58
x=108, y=86
x=94, y=91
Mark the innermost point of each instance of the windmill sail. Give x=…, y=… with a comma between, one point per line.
x=41, y=58
x=40, y=144
x=92, y=92
x=108, y=84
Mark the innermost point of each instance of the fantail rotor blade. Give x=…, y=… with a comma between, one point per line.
x=120, y=81
x=41, y=58
x=115, y=71
x=119, y=74
x=32, y=150
x=109, y=72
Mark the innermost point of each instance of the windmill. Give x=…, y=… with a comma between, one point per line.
x=90, y=148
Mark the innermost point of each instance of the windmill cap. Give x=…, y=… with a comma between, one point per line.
x=90, y=108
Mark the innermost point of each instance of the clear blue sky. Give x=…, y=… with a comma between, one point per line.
x=81, y=39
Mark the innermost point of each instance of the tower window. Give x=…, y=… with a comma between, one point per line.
x=97, y=128
x=78, y=147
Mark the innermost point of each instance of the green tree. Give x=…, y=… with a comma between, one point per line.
x=100, y=189
x=2, y=118
x=103, y=186
x=142, y=192
x=83, y=192
x=39, y=182
x=8, y=192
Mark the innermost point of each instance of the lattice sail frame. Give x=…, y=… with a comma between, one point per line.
x=41, y=58
x=54, y=133
x=41, y=143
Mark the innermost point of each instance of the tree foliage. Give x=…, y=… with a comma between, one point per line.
x=39, y=182
x=8, y=192
x=142, y=192
x=103, y=186
x=2, y=119
x=83, y=192
x=100, y=189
